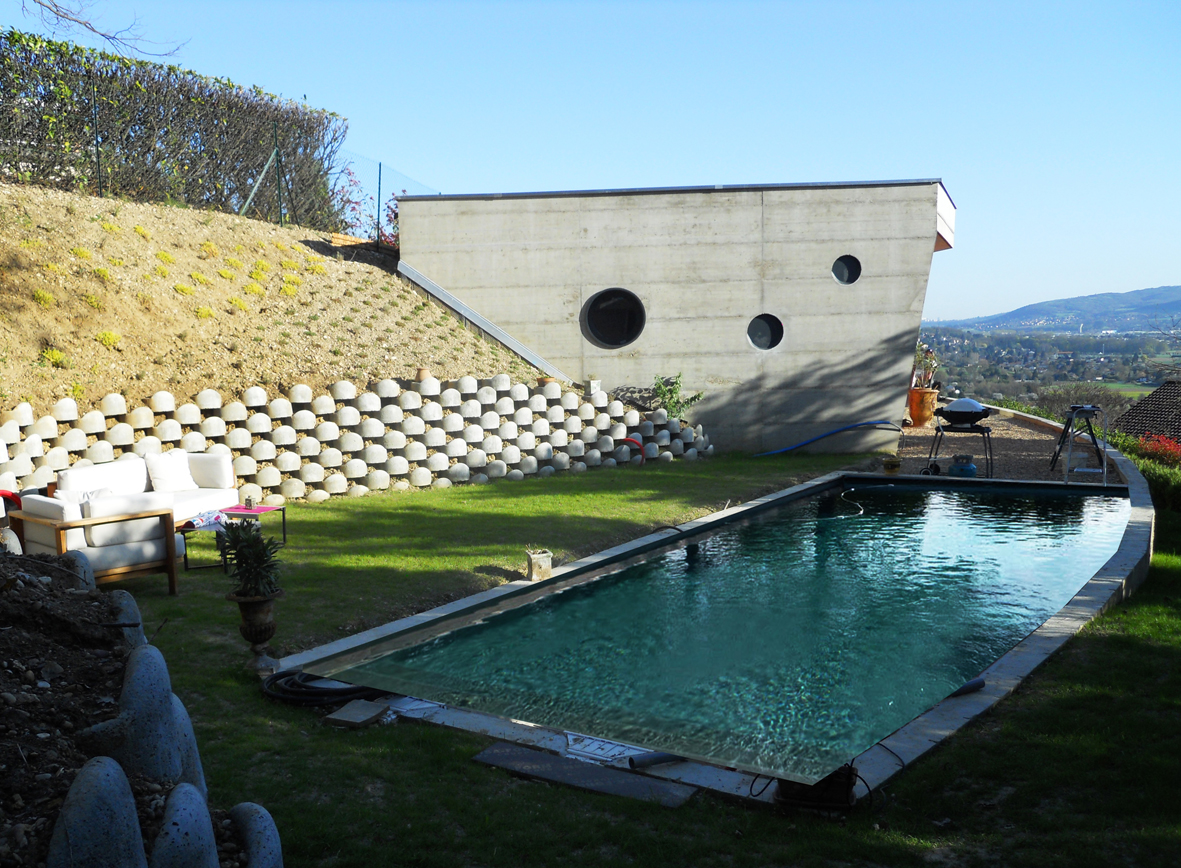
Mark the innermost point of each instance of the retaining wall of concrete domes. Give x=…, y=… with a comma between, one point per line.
x=349, y=442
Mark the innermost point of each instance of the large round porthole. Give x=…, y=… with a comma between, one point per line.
x=612, y=318
x=846, y=269
x=765, y=331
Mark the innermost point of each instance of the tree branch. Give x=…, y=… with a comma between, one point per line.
x=73, y=15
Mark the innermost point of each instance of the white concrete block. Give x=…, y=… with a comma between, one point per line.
x=162, y=402
x=617, y=431
x=476, y=458
x=211, y=449
x=453, y=423
x=673, y=426
x=508, y=431
x=327, y=432
x=456, y=448
x=414, y=451
x=22, y=414
x=263, y=450
x=466, y=385
x=387, y=389
x=22, y=465
x=350, y=442
x=450, y=398
x=237, y=438
x=651, y=451
x=393, y=440
x=537, y=403
x=292, y=489
x=122, y=434
x=589, y=434
x=646, y=428
x=662, y=438
x=575, y=449
x=259, y=423
x=437, y=462
x=523, y=417
x=268, y=477
x=560, y=461
x=526, y=440
x=318, y=495
x=377, y=480
x=442, y=482
x=631, y=418
x=570, y=401
x=555, y=415
x=10, y=431
x=592, y=458
x=74, y=440
x=557, y=438
x=371, y=429
x=214, y=426
x=168, y=431
x=65, y=410
x=545, y=470
x=323, y=405
x=690, y=454
x=249, y=490
x=311, y=472
x=470, y=409
x=355, y=469
x=34, y=447
x=342, y=390
x=428, y=386
x=56, y=458
x=459, y=473
x=514, y=475
x=300, y=394
x=209, y=399
x=400, y=485
x=622, y=454
x=433, y=438
x=280, y=408
x=578, y=467
x=148, y=445
x=658, y=416
x=112, y=405
x=505, y=406
x=235, y=411
x=496, y=469
x=194, y=441
x=490, y=421
x=527, y=465
x=420, y=477
x=615, y=409
x=609, y=463
x=599, y=399
x=336, y=483
x=255, y=397
x=374, y=455
x=487, y=396
x=347, y=417
x=100, y=452
x=430, y=411
x=288, y=462
x=93, y=422
x=412, y=426
x=391, y=414
x=397, y=466
x=501, y=383
x=572, y=425
x=46, y=426
x=510, y=454
x=543, y=452
x=410, y=400
x=541, y=428
x=602, y=421
x=368, y=403
x=676, y=447
x=519, y=392
x=245, y=466
x=303, y=420
x=330, y=457
x=687, y=436
x=552, y=391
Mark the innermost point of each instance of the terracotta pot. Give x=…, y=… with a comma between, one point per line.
x=421, y=374
x=541, y=381
x=258, y=617
x=921, y=404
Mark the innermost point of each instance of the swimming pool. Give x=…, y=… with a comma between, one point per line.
x=784, y=644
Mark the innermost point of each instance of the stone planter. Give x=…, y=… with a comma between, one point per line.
x=258, y=626
x=921, y=404
x=540, y=564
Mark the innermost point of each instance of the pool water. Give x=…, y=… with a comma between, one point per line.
x=786, y=644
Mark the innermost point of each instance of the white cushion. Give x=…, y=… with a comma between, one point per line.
x=128, y=475
x=58, y=510
x=138, y=530
x=169, y=471
x=212, y=470
x=186, y=504
x=82, y=496
x=128, y=554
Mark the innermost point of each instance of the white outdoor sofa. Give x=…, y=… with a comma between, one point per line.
x=117, y=517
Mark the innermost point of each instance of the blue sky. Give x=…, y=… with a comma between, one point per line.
x=1055, y=126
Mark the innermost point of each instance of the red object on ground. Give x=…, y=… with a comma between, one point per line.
x=12, y=497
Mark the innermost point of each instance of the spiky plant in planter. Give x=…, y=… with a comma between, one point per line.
x=255, y=569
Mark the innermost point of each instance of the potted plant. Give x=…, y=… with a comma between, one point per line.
x=920, y=400
x=255, y=568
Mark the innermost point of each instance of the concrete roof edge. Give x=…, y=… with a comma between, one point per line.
x=649, y=191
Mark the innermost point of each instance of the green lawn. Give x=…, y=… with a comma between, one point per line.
x=1077, y=768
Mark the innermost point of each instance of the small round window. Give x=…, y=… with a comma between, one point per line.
x=765, y=331
x=847, y=269
x=613, y=318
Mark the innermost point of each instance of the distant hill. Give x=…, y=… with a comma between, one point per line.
x=1139, y=310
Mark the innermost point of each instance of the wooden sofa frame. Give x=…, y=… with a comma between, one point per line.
x=168, y=565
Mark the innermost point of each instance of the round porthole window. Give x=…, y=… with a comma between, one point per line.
x=846, y=269
x=613, y=318
x=765, y=331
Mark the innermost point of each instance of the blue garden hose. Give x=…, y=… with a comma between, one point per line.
x=829, y=434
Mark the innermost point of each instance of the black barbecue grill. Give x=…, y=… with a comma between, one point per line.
x=961, y=416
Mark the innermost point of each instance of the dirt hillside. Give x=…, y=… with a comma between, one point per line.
x=100, y=295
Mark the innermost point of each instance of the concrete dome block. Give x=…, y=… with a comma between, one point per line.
x=486, y=396
x=245, y=466
x=280, y=408
x=414, y=451
x=569, y=401
x=287, y=462
x=374, y=455
x=523, y=417
x=274, y=499
x=555, y=415
x=215, y=449
x=492, y=444
x=34, y=447
x=162, y=402
x=476, y=458
x=122, y=434
x=631, y=418
x=453, y=423
x=490, y=420
x=608, y=463
x=350, y=442
x=377, y=480
x=371, y=429
x=327, y=432
x=148, y=446
x=347, y=417
x=300, y=394
x=284, y=435
x=239, y=438
x=551, y=391
x=268, y=477
x=501, y=382
x=420, y=477
x=100, y=453
x=188, y=414
x=658, y=416
x=467, y=385
x=690, y=454
x=615, y=409
x=194, y=441
x=168, y=431
x=387, y=389
x=255, y=397
x=74, y=440
x=65, y=410
x=699, y=444
x=336, y=483
x=437, y=462
x=442, y=482
x=592, y=458
x=318, y=495
x=602, y=421
x=9, y=481
x=572, y=425
x=292, y=488
x=456, y=448
x=235, y=411
x=587, y=412
x=342, y=390
x=673, y=426
x=433, y=438
x=311, y=472
x=213, y=427
x=307, y=447
x=93, y=422
x=665, y=457
x=617, y=431
x=263, y=450
x=112, y=405
x=510, y=454
x=323, y=405
x=431, y=411
x=368, y=402
x=578, y=467
x=709, y=451
x=519, y=392
x=450, y=398
x=412, y=426
x=541, y=428
x=249, y=490
x=537, y=403
x=355, y=469
x=560, y=461
x=558, y=438
x=599, y=400
x=46, y=426
x=470, y=409
x=589, y=434
x=543, y=452
x=676, y=446
x=575, y=449
x=394, y=440
x=687, y=436
x=605, y=444
x=259, y=423
x=651, y=450
x=428, y=386
x=57, y=458
x=391, y=414
x=508, y=431
x=397, y=466
x=459, y=473
x=496, y=470
x=662, y=438
x=209, y=399
x=514, y=475
x=646, y=428
x=330, y=457
x=22, y=465
x=303, y=420
x=22, y=414
x=545, y=470
x=526, y=440
x=410, y=400
x=505, y=406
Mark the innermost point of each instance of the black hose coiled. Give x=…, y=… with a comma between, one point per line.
x=297, y=688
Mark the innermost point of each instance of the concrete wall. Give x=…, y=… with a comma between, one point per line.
x=705, y=262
